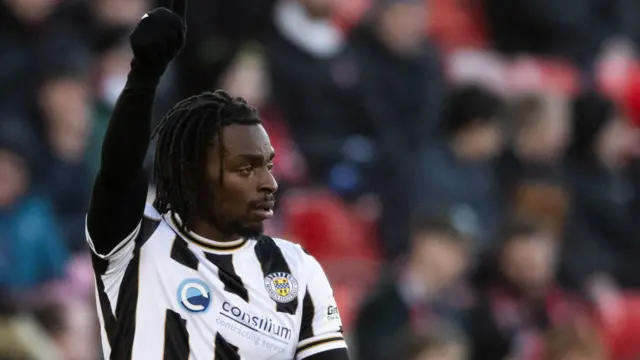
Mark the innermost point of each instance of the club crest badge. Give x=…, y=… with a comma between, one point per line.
x=281, y=286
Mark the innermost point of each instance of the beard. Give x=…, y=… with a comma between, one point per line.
x=232, y=228
x=248, y=231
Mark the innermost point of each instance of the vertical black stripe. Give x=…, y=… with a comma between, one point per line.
x=99, y=268
x=180, y=252
x=147, y=228
x=308, y=313
x=127, y=305
x=271, y=261
x=227, y=273
x=176, y=337
x=224, y=350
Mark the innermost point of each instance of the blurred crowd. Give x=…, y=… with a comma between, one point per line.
x=467, y=171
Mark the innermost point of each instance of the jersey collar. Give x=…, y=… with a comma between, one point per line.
x=174, y=221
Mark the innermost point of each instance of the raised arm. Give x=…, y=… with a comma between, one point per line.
x=120, y=188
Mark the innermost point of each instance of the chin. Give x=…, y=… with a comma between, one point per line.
x=250, y=231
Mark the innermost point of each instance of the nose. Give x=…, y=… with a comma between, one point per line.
x=268, y=183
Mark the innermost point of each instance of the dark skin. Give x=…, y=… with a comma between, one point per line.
x=246, y=182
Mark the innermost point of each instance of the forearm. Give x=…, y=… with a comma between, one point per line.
x=129, y=131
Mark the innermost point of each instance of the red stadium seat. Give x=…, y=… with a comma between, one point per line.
x=348, y=300
x=325, y=226
x=342, y=242
x=456, y=24
x=621, y=333
x=538, y=73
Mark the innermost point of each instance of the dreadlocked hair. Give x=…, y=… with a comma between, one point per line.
x=183, y=137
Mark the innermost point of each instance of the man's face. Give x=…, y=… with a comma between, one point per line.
x=402, y=26
x=529, y=261
x=486, y=139
x=65, y=101
x=444, y=261
x=244, y=196
x=31, y=11
x=616, y=141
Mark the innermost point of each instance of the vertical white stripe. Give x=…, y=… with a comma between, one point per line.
x=106, y=349
x=154, y=293
x=202, y=329
x=201, y=339
x=112, y=278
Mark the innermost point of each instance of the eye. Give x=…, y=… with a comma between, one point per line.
x=247, y=170
x=270, y=166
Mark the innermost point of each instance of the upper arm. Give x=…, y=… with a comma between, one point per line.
x=115, y=214
x=321, y=327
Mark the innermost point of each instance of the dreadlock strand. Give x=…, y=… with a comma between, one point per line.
x=221, y=144
x=190, y=155
x=161, y=200
x=163, y=155
x=177, y=170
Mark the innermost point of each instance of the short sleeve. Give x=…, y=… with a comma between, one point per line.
x=321, y=327
x=125, y=245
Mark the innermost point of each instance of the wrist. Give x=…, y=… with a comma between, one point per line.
x=141, y=77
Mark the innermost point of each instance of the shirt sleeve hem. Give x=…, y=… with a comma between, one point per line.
x=320, y=344
x=118, y=247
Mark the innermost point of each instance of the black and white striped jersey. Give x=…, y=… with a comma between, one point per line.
x=162, y=294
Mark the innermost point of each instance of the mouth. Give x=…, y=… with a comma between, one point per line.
x=264, y=210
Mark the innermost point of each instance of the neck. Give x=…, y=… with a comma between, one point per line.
x=211, y=232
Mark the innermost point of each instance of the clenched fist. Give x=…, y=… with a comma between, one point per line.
x=158, y=38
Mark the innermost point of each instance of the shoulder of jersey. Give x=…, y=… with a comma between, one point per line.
x=292, y=249
x=151, y=212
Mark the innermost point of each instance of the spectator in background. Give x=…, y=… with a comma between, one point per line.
x=540, y=130
x=426, y=290
x=602, y=226
x=576, y=30
x=531, y=169
x=25, y=26
x=437, y=343
x=311, y=76
x=457, y=173
x=518, y=296
x=400, y=89
x=65, y=108
x=32, y=249
x=399, y=95
x=98, y=22
x=217, y=31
